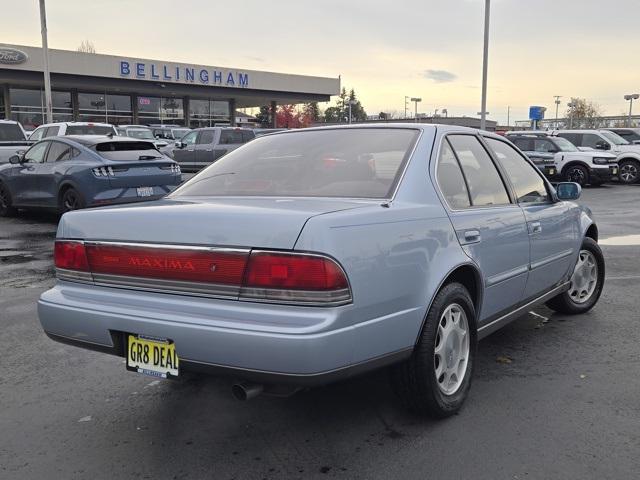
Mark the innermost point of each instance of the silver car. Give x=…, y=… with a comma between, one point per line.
x=308, y=256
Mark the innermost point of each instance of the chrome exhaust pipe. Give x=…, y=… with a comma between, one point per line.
x=246, y=391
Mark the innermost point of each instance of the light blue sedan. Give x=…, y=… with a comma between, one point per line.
x=310, y=256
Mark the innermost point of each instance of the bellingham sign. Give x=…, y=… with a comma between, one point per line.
x=183, y=74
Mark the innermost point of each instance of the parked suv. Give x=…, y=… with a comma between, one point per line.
x=631, y=135
x=569, y=163
x=12, y=139
x=170, y=134
x=71, y=128
x=203, y=146
x=628, y=156
x=141, y=132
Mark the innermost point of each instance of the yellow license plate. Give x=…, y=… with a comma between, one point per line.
x=151, y=356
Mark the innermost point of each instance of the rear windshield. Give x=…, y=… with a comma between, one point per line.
x=140, y=133
x=127, y=150
x=88, y=130
x=356, y=163
x=10, y=132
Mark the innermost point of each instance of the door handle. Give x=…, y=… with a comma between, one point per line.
x=190, y=150
x=208, y=150
x=535, y=227
x=471, y=236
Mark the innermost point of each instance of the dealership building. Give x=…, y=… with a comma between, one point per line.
x=93, y=87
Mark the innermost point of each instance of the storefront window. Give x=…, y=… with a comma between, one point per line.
x=1, y=103
x=160, y=110
x=207, y=113
x=27, y=106
x=107, y=108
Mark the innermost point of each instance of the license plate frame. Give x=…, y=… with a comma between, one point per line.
x=144, y=191
x=159, y=359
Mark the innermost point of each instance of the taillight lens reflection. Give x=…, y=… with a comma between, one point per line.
x=70, y=255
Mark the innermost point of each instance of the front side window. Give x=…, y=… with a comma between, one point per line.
x=58, y=152
x=591, y=140
x=352, y=163
x=190, y=138
x=36, y=153
x=37, y=134
x=529, y=186
x=485, y=185
x=206, y=137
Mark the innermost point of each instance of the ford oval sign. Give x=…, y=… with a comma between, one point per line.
x=11, y=56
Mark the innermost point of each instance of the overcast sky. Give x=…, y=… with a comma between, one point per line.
x=383, y=49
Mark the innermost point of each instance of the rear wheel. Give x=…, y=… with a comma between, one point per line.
x=6, y=208
x=71, y=200
x=587, y=281
x=436, y=379
x=577, y=174
x=628, y=171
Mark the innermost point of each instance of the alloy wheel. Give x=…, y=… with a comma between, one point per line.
x=577, y=175
x=71, y=201
x=628, y=173
x=585, y=277
x=451, y=354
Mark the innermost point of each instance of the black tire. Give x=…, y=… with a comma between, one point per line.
x=70, y=200
x=577, y=174
x=414, y=380
x=6, y=208
x=628, y=171
x=565, y=303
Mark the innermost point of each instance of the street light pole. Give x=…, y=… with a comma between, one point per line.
x=631, y=98
x=406, y=97
x=571, y=104
x=45, y=52
x=557, y=102
x=485, y=64
x=415, y=100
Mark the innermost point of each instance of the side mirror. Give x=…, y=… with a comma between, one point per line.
x=568, y=191
x=15, y=159
x=158, y=136
x=602, y=145
x=178, y=144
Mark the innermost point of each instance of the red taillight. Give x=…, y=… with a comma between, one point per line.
x=168, y=263
x=294, y=272
x=304, y=279
x=70, y=255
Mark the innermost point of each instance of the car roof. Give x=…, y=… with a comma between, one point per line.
x=57, y=124
x=90, y=140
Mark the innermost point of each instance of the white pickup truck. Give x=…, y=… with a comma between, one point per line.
x=13, y=139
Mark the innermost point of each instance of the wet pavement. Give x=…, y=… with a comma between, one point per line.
x=553, y=397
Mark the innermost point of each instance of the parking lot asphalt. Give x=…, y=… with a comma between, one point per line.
x=554, y=396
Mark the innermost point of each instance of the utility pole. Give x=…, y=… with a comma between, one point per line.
x=630, y=99
x=45, y=52
x=557, y=102
x=508, y=114
x=416, y=100
x=406, y=103
x=571, y=104
x=485, y=65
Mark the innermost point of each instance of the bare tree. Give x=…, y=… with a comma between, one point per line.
x=584, y=113
x=86, y=47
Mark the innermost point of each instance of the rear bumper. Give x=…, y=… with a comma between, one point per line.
x=129, y=195
x=258, y=342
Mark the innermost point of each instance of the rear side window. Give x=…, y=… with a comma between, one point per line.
x=52, y=132
x=524, y=144
x=58, y=152
x=247, y=136
x=591, y=140
x=89, y=130
x=206, y=137
x=450, y=179
x=229, y=137
x=526, y=181
x=10, y=132
x=575, y=138
x=355, y=163
x=485, y=185
x=127, y=150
